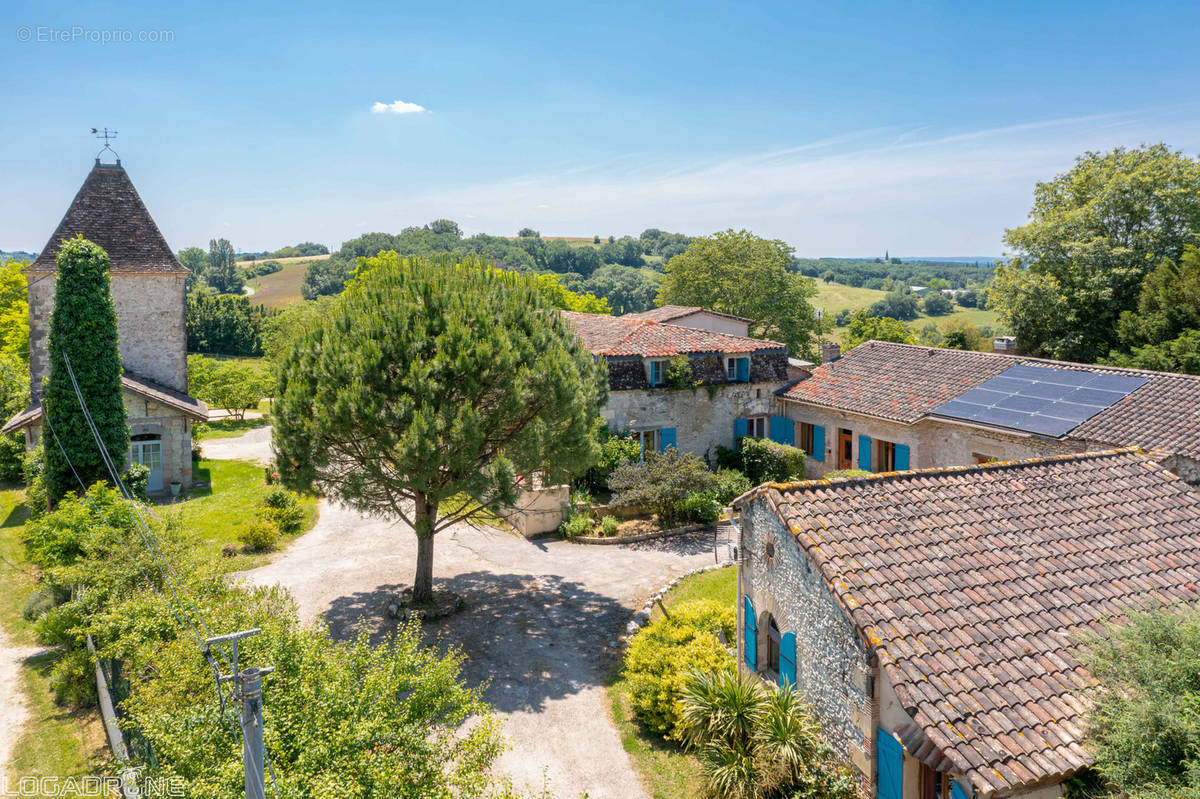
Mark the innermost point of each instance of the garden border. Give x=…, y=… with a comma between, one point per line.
x=633, y=539
x=642, y=617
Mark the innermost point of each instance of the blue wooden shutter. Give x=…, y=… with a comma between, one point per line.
x=783, y=430
x=864, y=453
x=740, y=428
x=666, y=438
x=750, y=628
x=890, y=759
x=743, y=370
x=956, y=791
x=787, y=659
x=818, y=453
x=655, y=373
x=901, y=457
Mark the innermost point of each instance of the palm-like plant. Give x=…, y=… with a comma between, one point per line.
x=755, y=740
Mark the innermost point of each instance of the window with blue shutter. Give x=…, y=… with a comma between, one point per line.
x=818, y=446
x=864, y=453
x=666, y=438
x=740, y=428
x=656, y=373
x=956, y=791
x=750, y=634
x=890, y=761
x=901, y=457
x=743, y=370
x=783, y=431
x=787, y=659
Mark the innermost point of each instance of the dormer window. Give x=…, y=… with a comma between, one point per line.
x=657, y=372
x=737, y=369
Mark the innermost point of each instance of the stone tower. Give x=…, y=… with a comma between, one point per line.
x=147, y=281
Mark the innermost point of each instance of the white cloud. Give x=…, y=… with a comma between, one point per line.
x=398, y=107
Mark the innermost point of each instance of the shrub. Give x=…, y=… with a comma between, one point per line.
x=728, y=459
x=609, y=525
x=661, y=654
x=701, y=506
x=73, y=679
x=679, y=373
x=757, y=740
x=767, y=461
x=42, y=600
x=573, y=526
x=731, y=483
x=614, y=451
x=283, y=508
x=36, y=494
x=137, y=480
x=661, y=483
x=259, y=535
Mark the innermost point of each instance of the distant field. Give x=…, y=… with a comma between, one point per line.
x=834, y=297
x=282, y=288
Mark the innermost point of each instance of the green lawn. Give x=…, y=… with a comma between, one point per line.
x=212, y=517
x=666, y=769
x=227, y=428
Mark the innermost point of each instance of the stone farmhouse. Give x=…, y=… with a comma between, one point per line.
x=889, y=407
x=931, y=617
x=148, y=291
x=731, y=384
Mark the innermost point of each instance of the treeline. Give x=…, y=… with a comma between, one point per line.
x=886, y=274
x=625, y=271
x=301, y=250
x=1107, y=269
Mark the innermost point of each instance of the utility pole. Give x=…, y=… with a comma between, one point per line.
x=247, y=689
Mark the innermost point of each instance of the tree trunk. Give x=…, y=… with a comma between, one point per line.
x=425, y=514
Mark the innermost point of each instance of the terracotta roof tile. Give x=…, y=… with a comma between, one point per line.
x=979, y=635
x=108, y=211
x=667, y=313
x=905, y=383
x=616, y=336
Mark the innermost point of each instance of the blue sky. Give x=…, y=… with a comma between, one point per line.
x=842, y=128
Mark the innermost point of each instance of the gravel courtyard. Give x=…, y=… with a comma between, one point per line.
x=538, y=625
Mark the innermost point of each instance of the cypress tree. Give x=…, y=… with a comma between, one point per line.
x=83, y=326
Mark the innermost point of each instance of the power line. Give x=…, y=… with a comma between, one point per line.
x=254, y=743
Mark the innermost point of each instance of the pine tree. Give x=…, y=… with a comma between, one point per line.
x=429, y=382
x=83, y=327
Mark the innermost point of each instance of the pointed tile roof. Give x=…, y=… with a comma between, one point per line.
x=108, y=211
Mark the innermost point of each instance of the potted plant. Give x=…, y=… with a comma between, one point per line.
x=176, y=487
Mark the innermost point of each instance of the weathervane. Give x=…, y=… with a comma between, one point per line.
x=107, y=135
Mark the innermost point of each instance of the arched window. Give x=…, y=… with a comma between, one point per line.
x=770, y=664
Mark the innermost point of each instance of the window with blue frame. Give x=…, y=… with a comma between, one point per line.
x=737, y=369
x=658, y=373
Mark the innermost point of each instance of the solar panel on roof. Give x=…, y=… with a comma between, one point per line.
x=1040, y=399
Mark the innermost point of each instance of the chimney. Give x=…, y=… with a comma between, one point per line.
x=1005, y=344
x=830, y=351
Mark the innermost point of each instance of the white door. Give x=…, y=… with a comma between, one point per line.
x=149, y=454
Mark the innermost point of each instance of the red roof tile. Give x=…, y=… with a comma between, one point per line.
x=627, y=336
x=993, y=573
x=667, y=313
x=905, y=382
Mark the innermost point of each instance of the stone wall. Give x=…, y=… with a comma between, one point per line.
x=833, y=666
x=702, y=417
x=630, y=373
x=150, y=327
x=538, y=511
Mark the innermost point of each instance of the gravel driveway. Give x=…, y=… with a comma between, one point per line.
x=538, y=625
x=14, y=708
